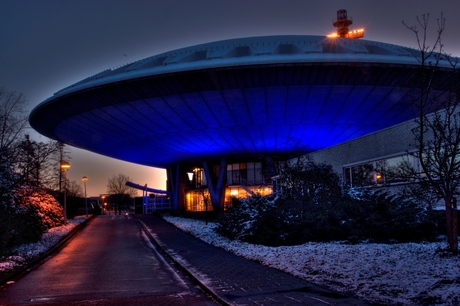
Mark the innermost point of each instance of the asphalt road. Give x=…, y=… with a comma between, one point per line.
x=110, y=262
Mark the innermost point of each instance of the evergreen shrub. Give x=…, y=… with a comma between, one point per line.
x=18, y=225
x=316, y=208
x=375, y=217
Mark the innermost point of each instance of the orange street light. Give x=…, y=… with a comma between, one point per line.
x=84, y=179
x=103, y=204
x=65, y=166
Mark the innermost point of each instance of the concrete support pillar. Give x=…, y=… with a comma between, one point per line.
x=176, y=186
x=216, y=183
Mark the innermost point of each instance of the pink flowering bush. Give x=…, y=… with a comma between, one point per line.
x=46, y=206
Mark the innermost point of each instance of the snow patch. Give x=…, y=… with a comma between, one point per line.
x=405, y=273
x=27, y=252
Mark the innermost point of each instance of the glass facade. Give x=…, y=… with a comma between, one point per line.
x=247, y=174
x=197, y=178
x=198, y=200
x=243, y=179
x=244, y=191
x=379, y=172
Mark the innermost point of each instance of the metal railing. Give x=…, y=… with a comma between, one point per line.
x=157, y=203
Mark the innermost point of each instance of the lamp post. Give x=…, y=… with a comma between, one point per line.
x=103, y=204
x=84, y=179
x=65, y=166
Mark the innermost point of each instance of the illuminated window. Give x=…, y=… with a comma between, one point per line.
x=196, y=201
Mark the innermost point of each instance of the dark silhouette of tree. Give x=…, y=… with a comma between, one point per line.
x=13, y=122
x=23, y=162
x=23, y=166
x=303, y=181
x=35, y=166
x=437, y=127
x=74, y=189
x=119, y=194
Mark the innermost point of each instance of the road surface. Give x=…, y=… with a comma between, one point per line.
x=110, y=262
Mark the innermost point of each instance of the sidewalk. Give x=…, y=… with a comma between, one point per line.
x=234, y=280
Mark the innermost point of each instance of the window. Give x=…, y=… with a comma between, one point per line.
x=251, y=175
x=245, y=174
x=198, y=201
x=198, y=179
x=384, y=171
x=392, y=168
x=363, y=175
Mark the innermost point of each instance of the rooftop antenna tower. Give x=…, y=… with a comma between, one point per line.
x=342, y=23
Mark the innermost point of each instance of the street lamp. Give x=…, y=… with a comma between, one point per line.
x=84, y=179
x=65, y=166
x=190, y=176
x=103, y=204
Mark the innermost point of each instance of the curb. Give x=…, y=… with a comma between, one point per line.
x=20, y=271
x=206, y=289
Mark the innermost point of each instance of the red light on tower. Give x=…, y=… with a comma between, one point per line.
x=342, y=23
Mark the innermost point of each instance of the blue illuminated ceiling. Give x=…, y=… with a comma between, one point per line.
x=241, y=97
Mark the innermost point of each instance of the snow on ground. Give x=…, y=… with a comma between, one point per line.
x=403, y=274
x=27, y=252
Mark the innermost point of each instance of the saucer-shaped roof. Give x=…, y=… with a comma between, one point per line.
x=238, y=97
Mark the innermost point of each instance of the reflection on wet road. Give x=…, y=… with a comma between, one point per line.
x=110, y=262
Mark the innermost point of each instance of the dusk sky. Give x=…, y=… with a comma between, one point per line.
x=48, y=45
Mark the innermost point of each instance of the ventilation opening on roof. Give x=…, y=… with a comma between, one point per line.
x=100, y=75
x=382, y=50
x=150, y=62
x=239, y=52
x=195, y=56
x=287, y=49
x=334, y=48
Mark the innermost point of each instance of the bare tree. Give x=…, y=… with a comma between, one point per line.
x=23, y=161
x=74, y=189
x=13, y=122
x=119, y=193
x=117, y=185
x=34, y=166
x=13, y=117
x=437, y=127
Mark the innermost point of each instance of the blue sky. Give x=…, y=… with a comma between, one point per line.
x=48, y=45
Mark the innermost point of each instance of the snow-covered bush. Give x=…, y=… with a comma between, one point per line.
x=45, y=205
x=25, y=215
x=305, y=181
x=374, y=216
x=382, y=216
x=253, y=219
x=312, y=205
x=18, y=225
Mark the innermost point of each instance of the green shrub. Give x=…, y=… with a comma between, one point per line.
x=25, y=216
x=384, y=217
x=18, y=225
x=312, y=206
x=374, y=216
x=253, y=219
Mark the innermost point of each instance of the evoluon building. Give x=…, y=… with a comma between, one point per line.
x=218, y=116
